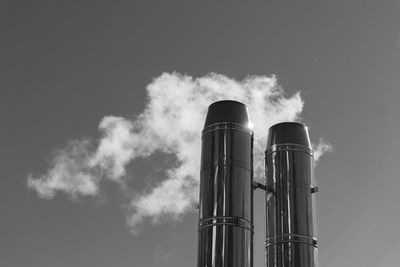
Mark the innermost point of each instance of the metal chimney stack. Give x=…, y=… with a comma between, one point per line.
x=290, y=218
x=225, y=233
x=225, y=237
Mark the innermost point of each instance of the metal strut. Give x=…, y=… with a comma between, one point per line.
x=257, y=185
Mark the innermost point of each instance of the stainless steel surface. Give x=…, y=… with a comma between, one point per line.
x=225, y=235
x=290, y=227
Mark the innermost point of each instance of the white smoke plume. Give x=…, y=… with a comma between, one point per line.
x=321, y=148
x=78, y=169
x=70, y=173
x=171, y=123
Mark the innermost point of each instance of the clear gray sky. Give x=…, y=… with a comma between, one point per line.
x=64, y=65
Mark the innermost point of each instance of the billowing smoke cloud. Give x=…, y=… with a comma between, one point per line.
x=171, y=124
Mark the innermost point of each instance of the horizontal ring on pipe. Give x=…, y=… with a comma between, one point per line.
x=291, y=241
x=288, y=186
x=227, y=126
x=289, y=147
x=234, y=221
x=291, y=238
x=222, y=163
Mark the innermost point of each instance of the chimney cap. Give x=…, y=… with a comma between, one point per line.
x=288, y=133
x=227, y=111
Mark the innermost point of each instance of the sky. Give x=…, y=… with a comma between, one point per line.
x=81, y=84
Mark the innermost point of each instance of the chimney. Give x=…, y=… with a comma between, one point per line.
x=290, y=219
x=225, y=233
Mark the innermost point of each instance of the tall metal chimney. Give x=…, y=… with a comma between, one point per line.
x=225, y=233
x=290, y=222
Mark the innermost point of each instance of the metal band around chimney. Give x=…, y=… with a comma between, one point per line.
x=233, y=221
x=226, y=163
x=227, y=126
x=291, y=238
x=289, y=147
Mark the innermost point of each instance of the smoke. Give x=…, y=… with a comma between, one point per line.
x=321, y=148
x=70, y=173
x=170, y=124
x=78, y=169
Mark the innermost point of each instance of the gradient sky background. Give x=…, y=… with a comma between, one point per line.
x=66, y=64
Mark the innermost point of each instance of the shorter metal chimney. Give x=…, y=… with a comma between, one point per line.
x=290, y=216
